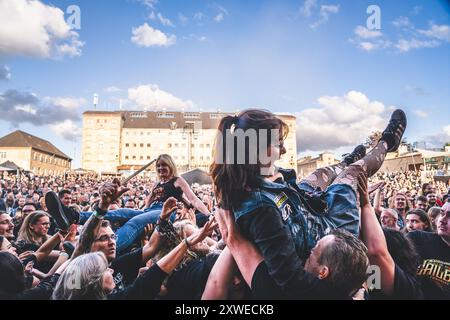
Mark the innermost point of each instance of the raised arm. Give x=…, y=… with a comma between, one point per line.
x=245, y=254
x=220, y=277
x=194, y=200
x=170, y=261
x=152, y=247
x=373, y=237
x=109, y=192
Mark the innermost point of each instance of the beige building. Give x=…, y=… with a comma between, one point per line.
x=33, y=154
x=123, y=141
x=308, y=165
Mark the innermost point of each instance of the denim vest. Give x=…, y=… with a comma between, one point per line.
x=306, y=227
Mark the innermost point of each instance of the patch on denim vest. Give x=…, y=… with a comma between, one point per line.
x=281, y=203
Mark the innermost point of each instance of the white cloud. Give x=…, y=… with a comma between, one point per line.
x=439, y=139
x=307, y=7
x=26, y=108
x=219, y=17
x=199, y=16
x=31, y=28
x=183, y=19
x=324, y=14
x=440, y=32
x=146, y=36
x=339, y=121
x=421, y=114
x=67, y=130
x=365, y=33
x=5, y=73
x=446, y=130
x=112, y=89
x=151, y=96
x=149, y=3
x=402, y=22
x=406, y=45
x=66, y=102
x=164, y=21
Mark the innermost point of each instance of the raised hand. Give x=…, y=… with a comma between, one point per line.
x=363, y=190
x=109, y=192
x=168, y=207
x=202, y=233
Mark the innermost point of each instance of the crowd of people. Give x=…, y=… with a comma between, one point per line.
x=252, y=234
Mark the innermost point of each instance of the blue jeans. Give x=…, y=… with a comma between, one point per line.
x=134, y=228
x=120, y=216
x=343, y=210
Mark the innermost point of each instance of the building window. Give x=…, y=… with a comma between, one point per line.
x=138, y=115
x=141, y=157
x=127, y=157
x=214, y=116
x=169, y=145
x=208, y=145
x=134, y=145
x=127, y=144
x=2, y=155
x=134, y=157
x=165, y=115
x=141, y=145
x=148, y=145
x=148, y=157
x=191, y=115
x=176, y=145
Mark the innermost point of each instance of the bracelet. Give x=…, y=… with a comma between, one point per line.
x=65, y=254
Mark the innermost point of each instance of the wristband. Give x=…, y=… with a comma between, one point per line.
x=99, y=213
x=65, y=254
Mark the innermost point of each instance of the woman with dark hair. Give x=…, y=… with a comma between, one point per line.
x=13, y=280
x=417, y=219
x=285, y=220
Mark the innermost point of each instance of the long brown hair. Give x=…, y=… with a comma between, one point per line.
x=232, y=181
x=25, y=232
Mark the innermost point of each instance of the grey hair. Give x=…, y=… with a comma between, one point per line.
x=393, y=212
x=83, y=278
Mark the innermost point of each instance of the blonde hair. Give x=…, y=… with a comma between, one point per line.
x=25, y=232
x=83, y=278
x=170, y=163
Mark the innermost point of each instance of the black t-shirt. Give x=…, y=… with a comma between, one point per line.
x=406, y=287
x=126, y=268
x=189, y=281
x=434, y=270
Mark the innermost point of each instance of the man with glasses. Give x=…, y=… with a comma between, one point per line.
x=434, y=251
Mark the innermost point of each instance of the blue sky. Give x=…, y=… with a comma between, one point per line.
x=317, y=59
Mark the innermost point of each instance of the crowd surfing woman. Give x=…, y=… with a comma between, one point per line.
x=282, y=219
x=133, y=222
x=170, y=184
